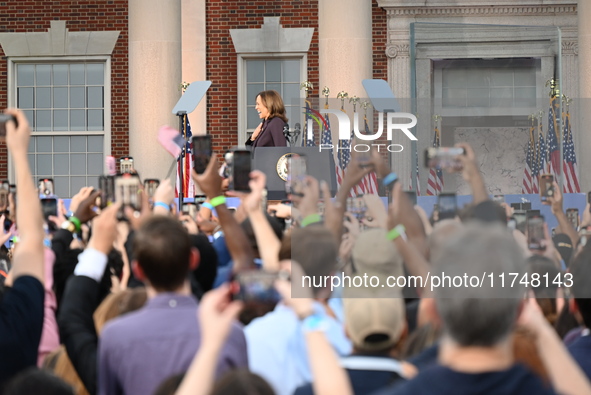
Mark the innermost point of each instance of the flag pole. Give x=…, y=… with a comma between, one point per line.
x=306, y=86
x=182, y=122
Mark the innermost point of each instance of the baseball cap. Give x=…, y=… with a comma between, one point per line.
x=375, y=256
x=374, y=324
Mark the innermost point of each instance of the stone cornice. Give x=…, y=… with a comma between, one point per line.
x=455, y=11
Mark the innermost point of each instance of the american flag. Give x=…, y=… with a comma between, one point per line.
x=553, y=165
x=571, y=170
x=326, y=140
x=527, y=186
x=540, y=160
x=187, y=163
x=308, y=127
x=435, y=181
x=344, y=157
x=369, y=183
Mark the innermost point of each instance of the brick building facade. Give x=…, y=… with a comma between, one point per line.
x=221, y=60
x=227, y=112
x=94, y=15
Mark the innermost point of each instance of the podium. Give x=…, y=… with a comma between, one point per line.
x=271, y=161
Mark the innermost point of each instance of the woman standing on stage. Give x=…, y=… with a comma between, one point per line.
x=271, y=110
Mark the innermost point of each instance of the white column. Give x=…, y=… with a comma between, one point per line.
x=154, y=78
x=345, y=45
x=193, y=50
x=584, y=109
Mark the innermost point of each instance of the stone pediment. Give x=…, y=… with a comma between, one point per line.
x=58, y=41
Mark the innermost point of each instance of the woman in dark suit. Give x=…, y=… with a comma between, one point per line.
x=271, y=110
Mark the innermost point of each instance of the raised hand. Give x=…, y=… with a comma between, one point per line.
x=216, y=313
x=104, y=229
x=85, y=211
x=17, y=137
x=80, y=197
x=210, y=181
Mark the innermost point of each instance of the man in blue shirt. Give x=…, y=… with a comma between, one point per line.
x=276, y=344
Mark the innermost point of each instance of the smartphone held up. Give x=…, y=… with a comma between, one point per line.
x=240, y=169
x=535, y=232
x=202, y=151
x=444, y=157
x=546, y=187
x=127, y=191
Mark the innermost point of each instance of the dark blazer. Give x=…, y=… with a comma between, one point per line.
x=76, y=325
x=271, y=134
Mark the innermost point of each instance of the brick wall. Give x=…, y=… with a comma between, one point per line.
x=80, y=15
x=380, y=38
x=222, y=107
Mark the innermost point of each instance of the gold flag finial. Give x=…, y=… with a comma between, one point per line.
x=365, y=104
x=306, y=86
x=326, y=92
x=567, y=101
x=554, y=90
x=532, y=117
x=342, y=95
x=354, y=100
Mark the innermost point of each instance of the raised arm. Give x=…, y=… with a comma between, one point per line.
x=163, y=196
x=353, y=175
x=267, y=242
x=216, y=315
x=328, y=377
x=564, y=225
x=414, y=261
x=81, y=298
x=472, y=175
x=565, y=374
x=404, y=210
x=210, y=183
x=28, y=257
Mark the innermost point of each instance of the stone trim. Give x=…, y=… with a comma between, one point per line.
x=401, y=50
x=58, y=41
x=439, y=11
x=272, y=38
x=570, y=48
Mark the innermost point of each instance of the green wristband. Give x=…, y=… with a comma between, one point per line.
x=311, y=219
x=76, y=223
x=399, y=230
x=216, y=201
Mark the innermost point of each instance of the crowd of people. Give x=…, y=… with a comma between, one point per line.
x=227, y=302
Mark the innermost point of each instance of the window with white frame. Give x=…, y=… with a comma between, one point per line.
x=485, y=84
x=65, y=105
x=281, y=75
x=270, y=57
